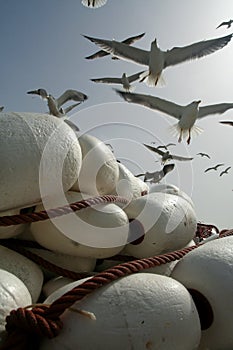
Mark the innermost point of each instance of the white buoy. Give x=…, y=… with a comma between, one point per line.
x=13, y=294
x=128, y=185
x=95, y=232
x=35, y=150
x=26, y=270
x=99, y=172
x=69, y=262
x=207, y=272
x=13, y=230
x=164, y=222
x=140, y=311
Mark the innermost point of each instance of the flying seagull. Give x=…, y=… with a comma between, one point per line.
x=214, y=167
x=156, y=59
x=128, y=41
x=166, y=155
x=186, y=115
x=55, y=104
x=225, y=171
x=227, y=123
x=203, y=155
x=93, y=3
x=157, y=176
x=227, y=24
x=124, y=80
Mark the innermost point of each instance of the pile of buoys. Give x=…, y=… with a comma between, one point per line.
x=184, y=304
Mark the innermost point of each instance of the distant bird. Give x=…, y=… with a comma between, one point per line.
x=214, y=167
x=165, y=146
x=186, y=115
x=227, y=23
x=55, y=104
x=128, y=41
x=124, y=80
x=157, y=176
x=1, y=108
x=166, y=155
x=203, y=155
x=156, y=59
x=94, y=3
x=225, y=171
x=227, y=123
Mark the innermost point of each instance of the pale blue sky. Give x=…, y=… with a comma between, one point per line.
x=42, y=46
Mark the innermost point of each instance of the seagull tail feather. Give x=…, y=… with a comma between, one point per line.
x=152, y=80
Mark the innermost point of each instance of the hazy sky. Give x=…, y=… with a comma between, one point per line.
x=42, y=46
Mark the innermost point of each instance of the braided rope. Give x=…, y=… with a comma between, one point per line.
x=44, y=320
x=18, y=219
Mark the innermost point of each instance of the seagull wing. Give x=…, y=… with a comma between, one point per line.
x=153, y=102
x=208, y=169
x=196, y=50
x=180, y=158
x=122, y=50
x=167, y=168
x=70, y=95
x=132, y=39
x=214, y=109
x=135, y=76
x=139, y=175
x=108, y=80
x=68, y=109
x=154, y=149
x=227, y=122
x=222, y=24
x=127, y=41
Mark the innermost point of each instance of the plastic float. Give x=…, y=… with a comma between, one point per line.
x=116, y=308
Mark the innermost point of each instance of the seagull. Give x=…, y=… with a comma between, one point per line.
x=156, y=59
x=127, y=41
x=55, y=104
x=1, y=108
x=227, y=123
x=203, y=155
x=157, y=176
x=214, y=167
x=124, y=80
x=165, y=146
x=94, y=3
x=166, y=155
x=186, y=115
x=227, y=23
x=225, y=171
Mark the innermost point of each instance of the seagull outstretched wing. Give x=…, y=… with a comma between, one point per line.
x=214, y=109
x=127, y=41
x=153, y=102
x=121, y=50
x=196, y=50
x=70, y=95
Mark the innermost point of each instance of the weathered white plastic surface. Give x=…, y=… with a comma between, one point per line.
x=128, y=185
x=26, y=270
x=97, y=232
x=168, y=221
x=99, y=172
x=13, y=230
x=209, y=271
x=35, y=149
x=13, y=294
x=140, y=311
